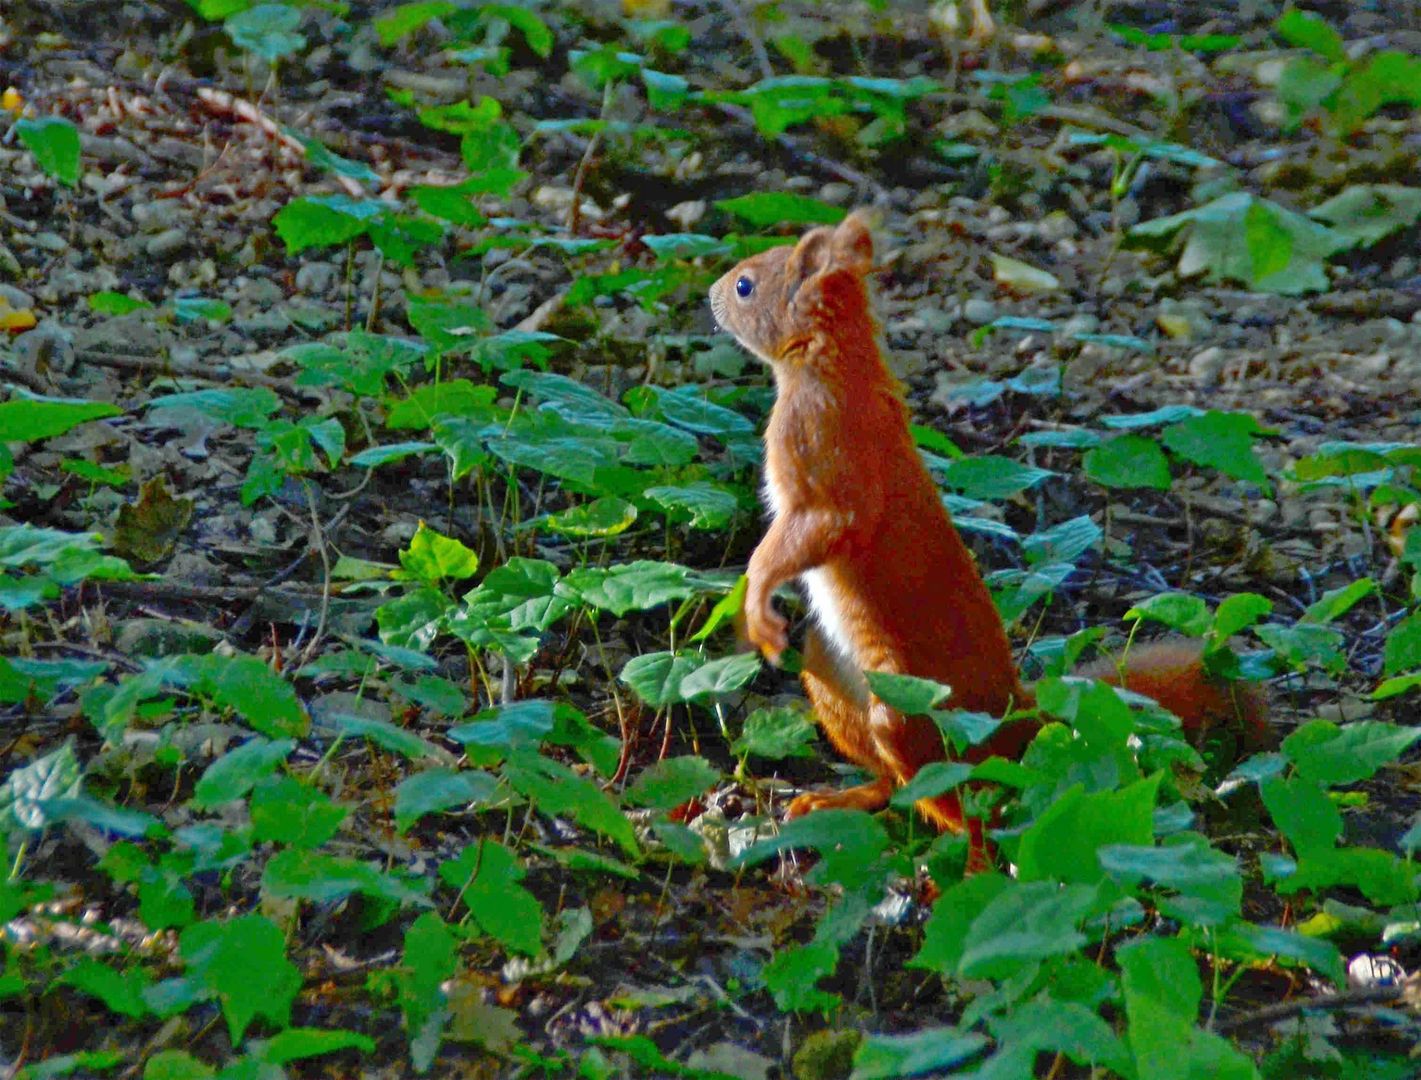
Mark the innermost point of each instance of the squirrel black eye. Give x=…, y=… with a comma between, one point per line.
x=744, y=287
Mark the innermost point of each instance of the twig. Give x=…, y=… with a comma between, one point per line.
x=1405, y=992
x=574, y=210
x=318, y=541
x=208, y=372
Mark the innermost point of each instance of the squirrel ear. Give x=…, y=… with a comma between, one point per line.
x=853, y=243
x=809, y=256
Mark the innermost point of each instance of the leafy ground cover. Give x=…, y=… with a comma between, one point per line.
x=375, y=496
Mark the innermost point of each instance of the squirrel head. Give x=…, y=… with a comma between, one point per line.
x=771, y=299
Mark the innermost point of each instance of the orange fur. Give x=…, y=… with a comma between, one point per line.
x=857, y=517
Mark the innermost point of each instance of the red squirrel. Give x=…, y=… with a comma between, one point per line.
x=859, y=521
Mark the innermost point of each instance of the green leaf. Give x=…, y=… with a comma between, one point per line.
x=488, y=877
x=286, y=811
x=404, y=19
x=656, y=677
x=558, y=791
x=1061, y=843
x=31, y=419
x=767, y=208
x=1337, y=602
x=1026, y=923
x=1328, y=755
x=239, y=770
x=515, y=726
x=633, y=586
x=1222, y=441
x=774, y=734
x=322, y=221
x=720, y=677
x=1367, y=213
x=376, y=456
x=434, y=790
x=27, y=791
x=1402, y=651
x=1065, y=542
x=1257, y=243
x=55, y=144
x=706, y=505
x=908, y=694
x=121, y=992
x=1179, y=611
x=298, y=1044
x=521, y=591
x=269, y=30
x=434, y=558
x=931, y=1050
x=108, y=302
x=297, y=873
x=1238, y=612
x=1209, y=882
x=991, y=476
x=1303, y=813
x=1308, y=31
x=242, y=963
x=1128, y=461
x=188, y=309
x=449, y=397
x=246, y=407
x=849, y=843
x=672, y=782
x=605, y=517
x=390, y=736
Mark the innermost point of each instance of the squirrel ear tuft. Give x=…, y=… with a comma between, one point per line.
x=853, y=243
x=809, y=256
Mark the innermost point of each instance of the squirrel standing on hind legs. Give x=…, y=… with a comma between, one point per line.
x=859, y=521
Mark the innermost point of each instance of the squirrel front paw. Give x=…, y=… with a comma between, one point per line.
x=767, y=630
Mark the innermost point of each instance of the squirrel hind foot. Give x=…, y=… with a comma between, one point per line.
x=870, y=798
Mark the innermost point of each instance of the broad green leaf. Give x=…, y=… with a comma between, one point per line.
x=934, y=779
x=1337, y=602
x=633, y=586
x=390, y=736
x=1179, y=611
x=433, y=790
x=242, y=963
x=1309, y=31
x=188, y=309
x=296, y=873
x=404, y=19
x=1061, y=843
x=1328, y=755
x=1303, y=813
x=26, y=793
x=775, y=734
x=671, y=782
x=1238, y=612
x=931, y=1050
x=1402, y=650
x=1257, y=243
x=1208, y=881
x=239, y=770
x=908, y=694
x=1222, y=441
x=558, y=791
x=55, y=144
x=522, y=591
x=246, y=407
x=269, y=30
x=656, y=677
x=849, y=843
x=121, y=992
x=991, y=476
x=286, y=811
x=434, y=558
x=1128, y=461
x=298, y=1044
x=488, y=877
x=1367, y=213
x=767, y=208
x=1065, y=542
x=518, y=725
x=605, y=517
x=322, y=221
x=1060, y=1027
x=720, y=677
x=1024, y=924
x=31, y=419
x=706, y=505
x=376, y=456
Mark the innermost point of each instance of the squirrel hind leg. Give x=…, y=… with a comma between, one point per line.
x=870, y=797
